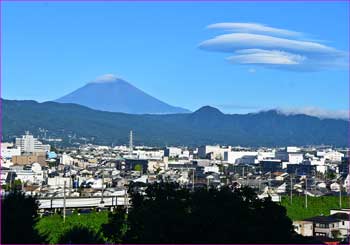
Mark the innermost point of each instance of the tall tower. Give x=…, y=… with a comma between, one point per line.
x=130, y=143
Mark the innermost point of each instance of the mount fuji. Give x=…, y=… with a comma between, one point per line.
x=110, y=93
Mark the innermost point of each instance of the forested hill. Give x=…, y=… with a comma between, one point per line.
x=205, y=126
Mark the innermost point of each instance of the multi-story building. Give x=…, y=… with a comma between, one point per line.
x=25, y=159
x=331, y=155
x=271, y=165
x=236, y=156
x=29, y=144
x=211, y=152
x=172, y=152
x=7, y=151
x=292, y=155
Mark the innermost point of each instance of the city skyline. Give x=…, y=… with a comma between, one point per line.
x=51, y=49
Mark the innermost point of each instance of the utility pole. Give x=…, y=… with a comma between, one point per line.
x=207, y=184
x=130, y=143
x=126, y=201
x=70, y=180
x=291, y=189
x=64, y=201
x=243, y=176
x=305, y=191
x=340, y=194
x=11, y=180
x=102, y=201
x=192, y=179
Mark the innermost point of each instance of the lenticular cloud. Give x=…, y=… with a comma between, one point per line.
x=261, y=45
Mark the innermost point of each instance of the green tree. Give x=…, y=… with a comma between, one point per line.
x=331, y=175
x=19, y=216
x=158, y=217
x=80, y=235
x=168, y=213
x=138, y=167
x=14, y=185
x=116, y=227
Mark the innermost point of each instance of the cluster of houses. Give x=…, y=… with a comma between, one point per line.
x=102, y=171
x=328, y=228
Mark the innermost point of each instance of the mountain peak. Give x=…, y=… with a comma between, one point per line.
x=208, y=110
x=111, y=93
x=106, y=78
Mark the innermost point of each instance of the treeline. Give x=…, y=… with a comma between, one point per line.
x=163, y=213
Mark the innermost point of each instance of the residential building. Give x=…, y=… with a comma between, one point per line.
x=29, y=144
x=172, y=152
x=29, y=159
x=8, y=150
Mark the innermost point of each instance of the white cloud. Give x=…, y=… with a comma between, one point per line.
x=317, y=112
x=106, y=78
x=274, y=52
x=259, y=56
x=235, y=41
x=253, y=28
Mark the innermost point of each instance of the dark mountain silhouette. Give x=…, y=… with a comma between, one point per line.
x=208, y=110
x=116, y=95
x=204, y=126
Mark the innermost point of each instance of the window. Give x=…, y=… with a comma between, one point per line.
x=322, y=225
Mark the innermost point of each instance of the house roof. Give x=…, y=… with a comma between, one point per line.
x=322, y=219
x=341, y=216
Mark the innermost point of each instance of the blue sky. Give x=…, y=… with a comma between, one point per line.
x=51, y=49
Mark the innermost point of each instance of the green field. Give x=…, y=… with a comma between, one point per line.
x=53, y=226
x=316, y=206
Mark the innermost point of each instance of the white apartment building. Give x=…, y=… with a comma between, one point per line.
x=29, y=144
x=235, y=156
x=58, y=182
x=292, y=149
x=215, y=151
x=8, y=150
x=262, y=155
x=321, y=167
x=141, y=154
x=66, y=159
x=35, y=175
x=333, y=156
x=172, y=152
x=292, y=155
x=213, y=169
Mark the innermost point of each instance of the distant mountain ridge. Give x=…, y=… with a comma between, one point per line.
x=116, y=95
x=205, y=126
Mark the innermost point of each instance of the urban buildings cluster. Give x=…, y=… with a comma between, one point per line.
x=90, y=176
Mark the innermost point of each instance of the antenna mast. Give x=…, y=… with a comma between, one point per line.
x=130, y=143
